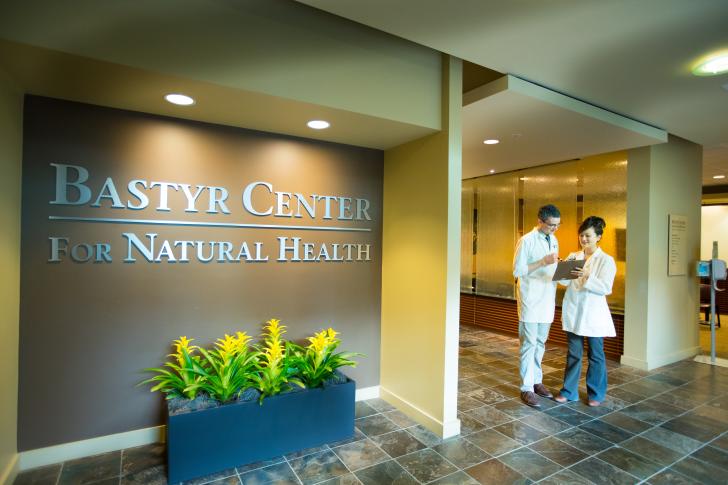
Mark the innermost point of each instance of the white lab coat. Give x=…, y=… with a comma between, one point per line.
x=536, y=292
x=585, y=311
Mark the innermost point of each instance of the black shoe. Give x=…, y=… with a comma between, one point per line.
x=542, y=391
x=529, y=398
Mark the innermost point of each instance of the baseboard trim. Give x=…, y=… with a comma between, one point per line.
x=103, y=444
x=94, y=446
x=367, y=393
x=663, y=360
x=8, y=474
x=444, y=429
x=705, y=359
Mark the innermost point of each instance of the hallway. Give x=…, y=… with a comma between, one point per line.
x=665, y=426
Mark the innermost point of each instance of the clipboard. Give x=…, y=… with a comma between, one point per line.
x=564, y=268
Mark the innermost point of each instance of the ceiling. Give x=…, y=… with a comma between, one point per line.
x=536, y=126
x=632, y=58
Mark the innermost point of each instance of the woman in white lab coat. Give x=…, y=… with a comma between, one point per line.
x=585, y=314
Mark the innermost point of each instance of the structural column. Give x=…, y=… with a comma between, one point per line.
x=420, y=268
x=661, y=311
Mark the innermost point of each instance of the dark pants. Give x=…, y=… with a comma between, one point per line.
x=596, y=374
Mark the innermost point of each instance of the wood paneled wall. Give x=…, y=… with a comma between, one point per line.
x=501, y=315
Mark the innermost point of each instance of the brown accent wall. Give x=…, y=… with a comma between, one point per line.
x=501, y=315
x=88, y=329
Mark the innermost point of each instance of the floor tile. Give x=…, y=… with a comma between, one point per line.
x=530, y=464
x=398, y=443
x=258, y=464
x=606, y=431
x=671, y=477
x=546, y=423
x=626, y=422
x=495, y=472
x=362, y=410
x=515, y=408
x=696, y=427
x=358, y=435
x=565, y=477
x=520, y=432
x=306, y=451
x=387, y=473
x=348, y=479
x=156, y=475
x=235, y=480
x=674, y=441
x=466, y=386
x=712, y=412
x=713, y=456
x=426, y=465
x=466, y=403
x=469, y=425
x=143, y=457
x=652, y=412
x=649, y=449
x=625, y=395
x=318, y=467
x=629, y=462
x=700, y=471
x=360, y=454
x=721, y=442
x=461, y=453
x=39, y=476
x=489, y=416
x=493, y=442
x=568, y=415
x=601, y=472
x=375, y=425
x=457, y=478
x=667, y=379
x=400, y=419
x=487, y=396
x=558, y=451
x=278, y=473
x=583, y=440
x=380, y=405
x=424, y=435
x=90, y=469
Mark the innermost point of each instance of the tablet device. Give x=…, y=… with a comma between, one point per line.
x=564, y=268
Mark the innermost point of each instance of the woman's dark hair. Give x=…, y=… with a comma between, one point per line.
x=596, y=223
x=548, y=211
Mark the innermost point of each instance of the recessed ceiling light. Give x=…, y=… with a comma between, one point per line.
x=492, y=171
x=180, y=99
x=491, y=141
x=718, y=176
x=713, y=65
x=318, y=124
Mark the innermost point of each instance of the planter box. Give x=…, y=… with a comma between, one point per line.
x=209, y=440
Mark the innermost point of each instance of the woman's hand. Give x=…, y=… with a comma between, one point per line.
x=578, y=272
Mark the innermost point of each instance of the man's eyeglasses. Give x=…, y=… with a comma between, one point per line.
x=550, y=226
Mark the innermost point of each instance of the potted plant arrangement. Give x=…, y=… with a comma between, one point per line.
x=238, y=403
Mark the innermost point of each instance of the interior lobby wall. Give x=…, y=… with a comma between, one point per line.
x=11, y=102
x=661, y=311
x=420, y=269
x=714, y=227
x=279, y=48
x=97, y=320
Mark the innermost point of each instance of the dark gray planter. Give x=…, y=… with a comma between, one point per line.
x=209, y=440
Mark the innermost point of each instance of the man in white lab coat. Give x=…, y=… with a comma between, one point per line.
x=537, y=253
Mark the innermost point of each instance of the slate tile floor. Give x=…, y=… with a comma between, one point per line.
x=665, y=426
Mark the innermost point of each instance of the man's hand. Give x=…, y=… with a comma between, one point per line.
x=550, y=259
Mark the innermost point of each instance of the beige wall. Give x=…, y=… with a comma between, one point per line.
x=420, y=269
x=714, y=227
x=660, y=310
x=279, y=48
x=10, y=158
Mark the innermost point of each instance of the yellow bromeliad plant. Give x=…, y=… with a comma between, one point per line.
x=317, y=362
x=231, y=367
x=275, y=370
x=181, y=380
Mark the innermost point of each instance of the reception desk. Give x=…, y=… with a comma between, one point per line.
x=501, y=315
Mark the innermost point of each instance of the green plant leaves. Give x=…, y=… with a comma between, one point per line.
x=231, y=366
